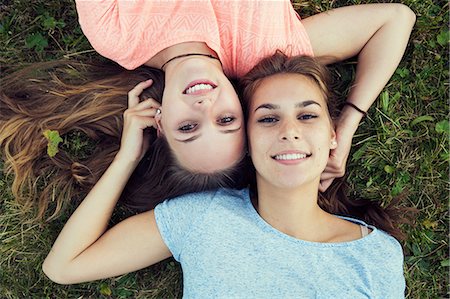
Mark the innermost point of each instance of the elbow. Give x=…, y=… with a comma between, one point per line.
x=54, y=273
x=404, y=14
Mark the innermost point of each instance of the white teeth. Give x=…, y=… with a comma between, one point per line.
x=198, y=87
x=290, y=157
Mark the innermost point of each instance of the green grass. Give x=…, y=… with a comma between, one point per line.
x=402, y=148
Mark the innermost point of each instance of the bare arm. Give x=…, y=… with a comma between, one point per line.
x=378, y=34
x=83, y=250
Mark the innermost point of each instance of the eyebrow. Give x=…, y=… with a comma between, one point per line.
x=298, y=105
x=190, y=139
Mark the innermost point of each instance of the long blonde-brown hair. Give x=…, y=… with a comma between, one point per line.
x=85, y=99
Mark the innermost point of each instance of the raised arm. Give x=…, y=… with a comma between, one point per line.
x=83, y=250
x=378, y=34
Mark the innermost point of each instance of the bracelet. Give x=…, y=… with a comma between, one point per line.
x=364, y=113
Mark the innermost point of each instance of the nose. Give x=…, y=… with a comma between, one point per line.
x=290, y=131
x=200, y=102
x=203, y=103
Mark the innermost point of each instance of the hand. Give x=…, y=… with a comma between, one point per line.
x=338, y=159
x=139, y=116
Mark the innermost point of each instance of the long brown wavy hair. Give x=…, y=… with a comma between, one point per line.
x=334, y=200
x=87, y=100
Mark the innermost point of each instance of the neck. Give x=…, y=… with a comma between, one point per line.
x=292, y=211
x=163, y=56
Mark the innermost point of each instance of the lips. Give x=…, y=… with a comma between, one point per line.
x=199, y=87
x=291, y=157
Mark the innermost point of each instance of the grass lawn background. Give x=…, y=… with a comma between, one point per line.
x=400, y=149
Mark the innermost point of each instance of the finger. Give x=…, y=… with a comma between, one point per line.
x=331, y=167
x=154, y=103
x=324, y=184
x=150, y=112
x=133, y=95
x=147, y=104
x=327, y=175
x=143, y=122
x=335, y=172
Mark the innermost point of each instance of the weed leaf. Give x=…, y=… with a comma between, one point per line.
x=50, y=23
x=389, y=169
x=105, y=290
x=430, y=224
x=421, y=119
x=442, y=127
x=53, y=139
x=403, y=72
x=443, y=38
x=36, y=41
x=385, y=100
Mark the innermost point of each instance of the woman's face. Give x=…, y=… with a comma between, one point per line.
x=202, y=118
x=290, y=131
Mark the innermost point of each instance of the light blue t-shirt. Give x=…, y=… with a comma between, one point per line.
x=227, y=250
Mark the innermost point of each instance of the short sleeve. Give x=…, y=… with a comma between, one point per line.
x=398, y=283
x=115, y=28
x=176, y=218
x=100, y=23
x=394, y=283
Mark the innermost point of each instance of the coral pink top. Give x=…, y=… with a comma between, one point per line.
x=240, y=32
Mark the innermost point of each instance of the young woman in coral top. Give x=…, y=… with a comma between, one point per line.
x=198, y=44
x=200, y=114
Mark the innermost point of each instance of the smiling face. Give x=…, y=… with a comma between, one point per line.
x=202, y=118
x=289, y=130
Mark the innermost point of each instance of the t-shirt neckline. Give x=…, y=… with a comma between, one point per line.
x=267, y=227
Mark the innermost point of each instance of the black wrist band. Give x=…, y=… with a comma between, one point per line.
x=364, y=113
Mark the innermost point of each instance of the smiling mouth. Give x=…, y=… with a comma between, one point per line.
x=290, y=157
x=198, y=87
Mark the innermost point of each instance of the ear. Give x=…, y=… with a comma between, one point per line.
x=333, y=141
x=159, y=128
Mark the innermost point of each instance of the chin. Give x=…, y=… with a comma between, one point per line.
x=292, y=183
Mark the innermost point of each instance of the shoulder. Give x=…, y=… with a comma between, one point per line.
x=180, y=217
x=391, y=246
x=382, y=257
x=387, y=261
x=383, y=249
x=378, y=241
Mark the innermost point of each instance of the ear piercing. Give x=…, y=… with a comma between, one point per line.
x=333, y=142
x=158, y=111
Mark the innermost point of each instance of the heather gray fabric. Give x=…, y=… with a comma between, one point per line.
x=227, y=250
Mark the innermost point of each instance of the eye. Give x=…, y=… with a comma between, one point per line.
x=267, y=120
x=226, y=120
x=187, y=128
x=306, y=116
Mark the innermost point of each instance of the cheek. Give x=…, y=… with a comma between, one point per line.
x=166, y=120
x=252, y=137
x=175, y=111
x=233, y=105
x=251, y=142
x=322, y=153
x=166, y=99
x=258, y=146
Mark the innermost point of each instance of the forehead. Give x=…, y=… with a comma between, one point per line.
x=287, y=87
